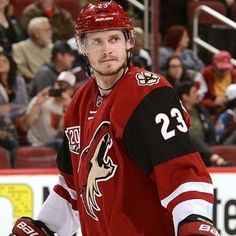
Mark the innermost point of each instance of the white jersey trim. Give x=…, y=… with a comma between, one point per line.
x=51, y=214
x=62, y=182
x=189, y=207
x=190, y=186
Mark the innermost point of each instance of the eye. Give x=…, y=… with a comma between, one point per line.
x=96, y=42
x=114, y=39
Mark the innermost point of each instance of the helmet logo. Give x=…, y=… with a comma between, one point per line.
x=103, y=5
x=104, y=18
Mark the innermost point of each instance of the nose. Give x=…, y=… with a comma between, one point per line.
x=106, y=48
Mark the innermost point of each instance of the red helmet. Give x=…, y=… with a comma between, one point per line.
x=102, y=16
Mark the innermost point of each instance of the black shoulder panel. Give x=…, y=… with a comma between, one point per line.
x=64, y=158
x=156, y=131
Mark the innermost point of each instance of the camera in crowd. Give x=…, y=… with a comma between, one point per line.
x=56, y=92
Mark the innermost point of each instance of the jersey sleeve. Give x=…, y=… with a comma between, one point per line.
x=157, y=140
x=59, y=212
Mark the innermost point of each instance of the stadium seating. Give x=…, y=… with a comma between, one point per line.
x=228, y=152
x=35, y=157
x=210, y=29
x=22, y=134
x=205, y=18
x=4, y=159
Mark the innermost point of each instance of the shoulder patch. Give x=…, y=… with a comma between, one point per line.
x=73, y=136
x=147, y=78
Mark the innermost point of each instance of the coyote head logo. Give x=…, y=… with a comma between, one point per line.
x=99, y=167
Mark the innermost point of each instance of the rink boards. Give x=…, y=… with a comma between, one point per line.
x=22, y=193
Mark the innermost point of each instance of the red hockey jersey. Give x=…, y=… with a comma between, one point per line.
x=127, y=164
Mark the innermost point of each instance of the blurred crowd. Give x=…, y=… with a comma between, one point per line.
x=41, y=68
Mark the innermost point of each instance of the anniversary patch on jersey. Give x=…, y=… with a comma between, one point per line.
x=147, y=78
x=95, y=166
x=73, y=136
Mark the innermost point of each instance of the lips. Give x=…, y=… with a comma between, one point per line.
x=108, y=60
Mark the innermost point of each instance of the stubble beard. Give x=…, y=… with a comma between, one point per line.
x=109, y=71
x=106, y=72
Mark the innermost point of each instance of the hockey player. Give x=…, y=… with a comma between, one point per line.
x=127, y=166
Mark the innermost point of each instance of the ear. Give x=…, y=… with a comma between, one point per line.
x=129, y=44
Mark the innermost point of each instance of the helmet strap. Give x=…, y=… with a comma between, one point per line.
x=87, y=66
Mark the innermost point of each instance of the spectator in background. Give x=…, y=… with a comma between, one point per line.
x=177, y=73
x=33, y=52
x=218, y=76
x=60, y=19
x=45, y=112
x=62, y=58
x=79, y=67
x=137, y=61
x=138, y=49
x=13, y=94
x=201, y=131
x=176, y=42
x=10, y=30
x=8, y=136
x=226, y=123
x=13, y=102
x=228, y=4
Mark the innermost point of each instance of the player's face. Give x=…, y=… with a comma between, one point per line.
x=106, y=51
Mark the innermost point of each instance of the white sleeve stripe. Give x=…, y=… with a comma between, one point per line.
x=186, y=208
x=63, y=224
x=62, y=182
x=190, y=186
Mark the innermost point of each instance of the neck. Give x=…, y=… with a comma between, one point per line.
x=104, y=93
x=3, y=78
x=222, y=75
x=179, y=49
x=106, y=83
x=37, y=43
